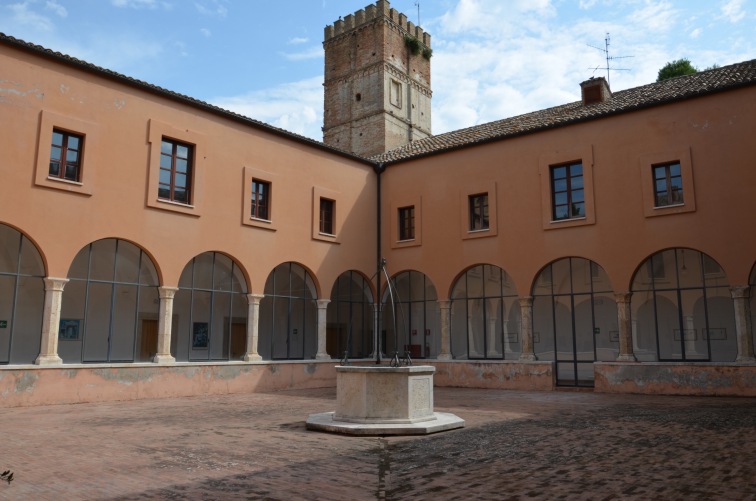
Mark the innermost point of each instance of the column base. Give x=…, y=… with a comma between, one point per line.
x=48, y=360
x=444, y=356
x=323, y=356
x=164, y=359
x=528, y=357
x=252, y=357
x=627, y=358
x=745, y=360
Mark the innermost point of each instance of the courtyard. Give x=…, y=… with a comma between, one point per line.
x=516, y=445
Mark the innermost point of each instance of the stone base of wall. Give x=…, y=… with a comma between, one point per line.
x=33, y=385
x=503, y=375
x=657, y=378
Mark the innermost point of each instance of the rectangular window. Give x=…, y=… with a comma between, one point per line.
x=175, y=171
x=407, y=223
x=65, y=155
x=395, y=93
x=260, y=199
x=478, y=205
x=567, y=192
x=327, y=207
x=667, y=185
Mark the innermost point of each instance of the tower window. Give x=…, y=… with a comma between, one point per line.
x=395, y=93
x=358, y=97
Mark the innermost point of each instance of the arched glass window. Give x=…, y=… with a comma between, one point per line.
x=349, y=325
x=415, y=313
x=574, y=319
x=288, y=315
x=485, y=315
x=109, y=305
x=210, y=310
x=22, y=297
x=682, y=309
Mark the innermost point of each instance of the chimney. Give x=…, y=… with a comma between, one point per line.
x=595, y=90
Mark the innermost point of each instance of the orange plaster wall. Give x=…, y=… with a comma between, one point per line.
x=116, y=201
x=715, y=131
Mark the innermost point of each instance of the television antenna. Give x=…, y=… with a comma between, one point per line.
x=417, y=4
x=609, y=58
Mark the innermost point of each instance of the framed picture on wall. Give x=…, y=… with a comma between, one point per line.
x=200, y=335
x=68, y=330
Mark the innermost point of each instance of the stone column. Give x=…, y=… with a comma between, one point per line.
x=444, y=306
x=165, y=325
x=626, y=353
x=743, y=333
x=322, y=354
x=526, y=314
x=253, y=327
x=48, y=349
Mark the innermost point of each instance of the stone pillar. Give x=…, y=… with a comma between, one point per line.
x=526, y=314
x=165, y=325
x=626, y=353
x=444, y=306
x=48, y=349
x=322, y=354
x=253, y=327
x=743, y=333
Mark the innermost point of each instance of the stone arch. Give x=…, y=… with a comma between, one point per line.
x=413, y=323
x=22, y=296
x=210, y=310
x=485, y=314
x=681, y=299
x=288, y=314
x=574, y=318
x=110, y=305
x=350, y=316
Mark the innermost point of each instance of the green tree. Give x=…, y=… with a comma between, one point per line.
x=676, y=69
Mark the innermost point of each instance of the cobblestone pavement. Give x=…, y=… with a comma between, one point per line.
x=516, y=445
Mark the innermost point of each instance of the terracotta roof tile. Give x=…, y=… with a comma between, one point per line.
x=675, y=89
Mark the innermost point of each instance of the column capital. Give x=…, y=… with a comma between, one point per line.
x=254, y=298
x=740, y=291
x=322, y=303
x=525, y=300
x=55, y=284
x=622, y=297
x=444, y=304
x=167, y=292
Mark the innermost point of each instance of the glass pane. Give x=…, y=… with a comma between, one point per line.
x=124, y=324
x=72, y=173
x=72, y=156
x=674, y=170
x=560, y=185
x=220, y=329
x=181, y=337
x=606, y=328
x=182, y=151
x=543, y=328
x=166, y=147
x=458, y=326
x=558, y=172
x=670, y=333
x=581, y=275
x=576, y=170
x=166, y=162
x=561, y=277
x=563, y=328
x=203, y=271
x=576, y=183
x=179, y=195
x=10, y=241
x=27, y=321
x=577, y=196
x=55, y=153
x=280, y=335
x=57, y=138
x=476, y=328
x=127, y=262
x=165, y=176
x=584, y=328
x=201, y=330
x=102, y=265
x=492, y=281
x=164, y=192
x=238, y=282
x=493, y=320
x=181, y=166
x=560, y=198
x=689, y=268
x=222, y=275
x=148, y=273
x=54, y=169
x=97, y=323
x=7, y=293
x=512, y=328
x=73, y=142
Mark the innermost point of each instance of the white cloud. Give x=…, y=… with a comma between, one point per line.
x=695, y=33
x=296, y=107
x=733, y=10
x=298, y=40
x=23, y=15
x=211, y=8
x=205, y=32
x=313, y=52
x=135, y=4
x=54, y=6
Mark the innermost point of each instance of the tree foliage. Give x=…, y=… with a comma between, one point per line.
x=676, y=69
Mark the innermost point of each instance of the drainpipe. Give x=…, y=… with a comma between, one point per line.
x=379, y=168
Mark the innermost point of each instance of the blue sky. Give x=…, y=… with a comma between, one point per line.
x=492, y=58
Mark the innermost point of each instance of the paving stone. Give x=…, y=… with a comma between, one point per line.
x=516, y=445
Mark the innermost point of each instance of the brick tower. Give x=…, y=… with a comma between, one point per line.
x=377, y=81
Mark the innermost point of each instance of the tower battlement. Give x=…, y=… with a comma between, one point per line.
x=381, y=9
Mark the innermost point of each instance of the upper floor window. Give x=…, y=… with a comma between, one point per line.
x=407, y=223
x=478, y=205
x=668, y=188
x=260, y=199
x=65, y=155
x=175, y=171
x=567, y=191
x=327, y=207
